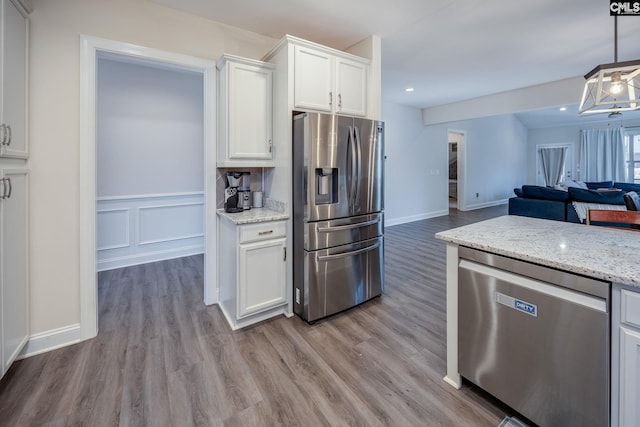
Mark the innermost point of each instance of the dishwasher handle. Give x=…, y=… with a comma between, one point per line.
x=537, y=286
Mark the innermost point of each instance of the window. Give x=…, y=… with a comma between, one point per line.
x=632, y=143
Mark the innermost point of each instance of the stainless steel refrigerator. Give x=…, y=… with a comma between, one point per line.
x=338, y=221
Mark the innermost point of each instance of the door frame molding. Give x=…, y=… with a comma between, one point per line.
x=90, y=47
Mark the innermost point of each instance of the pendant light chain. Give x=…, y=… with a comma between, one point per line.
x=615, y=38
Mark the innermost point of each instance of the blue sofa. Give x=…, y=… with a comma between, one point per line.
x=548, y=203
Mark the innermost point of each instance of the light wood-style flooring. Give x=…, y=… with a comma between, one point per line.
x=163, y=358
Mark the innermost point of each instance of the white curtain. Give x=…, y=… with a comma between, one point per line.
x=602, y=155
x=552, y=164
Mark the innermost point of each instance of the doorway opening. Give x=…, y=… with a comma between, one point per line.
x=149, y=184
x=453, y=175
x=149, y=215
x=559, y=157
x=455, y=159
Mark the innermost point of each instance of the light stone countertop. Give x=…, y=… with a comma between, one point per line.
x=598, y=252
x=254, y=215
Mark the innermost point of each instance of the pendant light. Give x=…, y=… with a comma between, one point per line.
x=612, y=88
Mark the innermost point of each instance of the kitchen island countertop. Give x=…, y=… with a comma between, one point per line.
x=253, y=215
x=599, y=252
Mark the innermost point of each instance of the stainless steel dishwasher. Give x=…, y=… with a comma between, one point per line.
x=536, y=338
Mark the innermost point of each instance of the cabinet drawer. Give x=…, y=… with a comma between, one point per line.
x=630, y=310
x=262, y=231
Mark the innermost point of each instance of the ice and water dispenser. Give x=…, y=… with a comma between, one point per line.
x=327, y=186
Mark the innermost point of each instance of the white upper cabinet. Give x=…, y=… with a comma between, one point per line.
x=313, y=77
x=351, y=86
x=13, y=80
x=330, y=82
x=245, y=113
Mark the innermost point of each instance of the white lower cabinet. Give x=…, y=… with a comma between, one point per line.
x=14, y=283
x=629, y=377
x=625, y=393
x=252, y=259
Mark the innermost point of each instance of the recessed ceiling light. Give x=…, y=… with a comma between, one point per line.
x=409, y=89
x=563, y=108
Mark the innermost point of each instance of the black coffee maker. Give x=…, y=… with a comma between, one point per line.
x=231, y=192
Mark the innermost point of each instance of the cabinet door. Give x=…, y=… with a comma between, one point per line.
x=13, y=255
x=629, y=376
x=250, y=112
x=261, y=276
x=351, y=87
x=13, y=93
x=313, y=79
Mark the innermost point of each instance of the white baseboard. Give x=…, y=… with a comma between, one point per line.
x=127, y=261
x=485, y=205
x=412, y=218
x=51, y=340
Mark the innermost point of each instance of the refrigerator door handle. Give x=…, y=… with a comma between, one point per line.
x=352, y=179
x=347, y=254
x=356, y=135
x=348, y=226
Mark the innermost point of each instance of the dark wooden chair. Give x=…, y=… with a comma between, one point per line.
x=630, y=218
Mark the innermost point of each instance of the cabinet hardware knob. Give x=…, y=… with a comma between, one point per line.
x=262, y=233
x=330, y=98
x=9, y=135
x=10, y=188
x=284, y=255
x=340, y=101
x=4, y=189
x=3, y=129
x=270, y=146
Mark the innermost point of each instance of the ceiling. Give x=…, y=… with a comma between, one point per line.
x=447, y=50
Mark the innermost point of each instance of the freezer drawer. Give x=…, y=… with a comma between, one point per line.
x=339, y=278
x=542, y=349
x=336, y=232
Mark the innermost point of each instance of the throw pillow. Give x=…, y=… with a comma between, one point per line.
x=632, y=200
x=547, y=193
x=572, y=184
x=595, y=196
x=601, y=184
x=627, y=186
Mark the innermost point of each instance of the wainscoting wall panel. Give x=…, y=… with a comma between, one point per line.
x=113, y=229
x=153, y=221
x=134, y=230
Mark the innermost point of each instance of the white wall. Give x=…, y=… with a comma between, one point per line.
x=495, y=159
x=563, y=134
x=54, y=124
x=150, y=130
x=416, y=169
x=411, y=191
